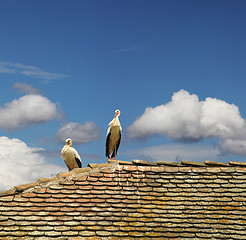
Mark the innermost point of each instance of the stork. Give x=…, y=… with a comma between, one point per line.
x=113, y=136
x=71, y=156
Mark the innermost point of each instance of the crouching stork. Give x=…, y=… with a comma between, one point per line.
x=71, y=156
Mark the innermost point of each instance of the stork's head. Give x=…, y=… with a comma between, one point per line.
x=117, y=113
x=69, y=141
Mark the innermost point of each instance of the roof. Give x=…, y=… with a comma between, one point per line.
x=130, y=200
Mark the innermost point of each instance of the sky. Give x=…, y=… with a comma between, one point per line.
x=175, y=69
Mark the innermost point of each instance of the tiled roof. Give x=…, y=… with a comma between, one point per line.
x=130, y=200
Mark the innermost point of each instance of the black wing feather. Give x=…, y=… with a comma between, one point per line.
x=78, y=162
x=107, y=145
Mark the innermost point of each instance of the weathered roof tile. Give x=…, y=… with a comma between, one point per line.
x=130, y=200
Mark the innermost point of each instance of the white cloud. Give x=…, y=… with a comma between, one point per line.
x=178, y=119
x=187, y=119
x=29, y=109
x=220, y=119
x=31, y=71
x=38, y=73
x=233, y=146
x=80, y=134
x=175, y=153
x=4, y=69
x=20, y=164
x=26, y=88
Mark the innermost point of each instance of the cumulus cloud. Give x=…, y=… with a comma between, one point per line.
x=31, y=71
x=79, y=133
x=26, y=88
x=175, y=153
x=233, y=146
x=20, y=164
x=29, y=109
x=187, y=119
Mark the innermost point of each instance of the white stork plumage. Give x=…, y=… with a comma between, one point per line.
x=71, y=156
x=113, y=136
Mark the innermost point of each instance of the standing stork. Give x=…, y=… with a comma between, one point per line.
x=71, y=156
x=113, y=136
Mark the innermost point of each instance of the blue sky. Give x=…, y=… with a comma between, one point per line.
x=66, y=66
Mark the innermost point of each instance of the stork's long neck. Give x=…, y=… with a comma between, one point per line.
x=65, y=149
x=115, y=122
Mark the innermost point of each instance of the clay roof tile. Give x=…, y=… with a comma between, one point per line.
x=130, y=200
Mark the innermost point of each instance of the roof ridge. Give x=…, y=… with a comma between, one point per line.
x=97, y=167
